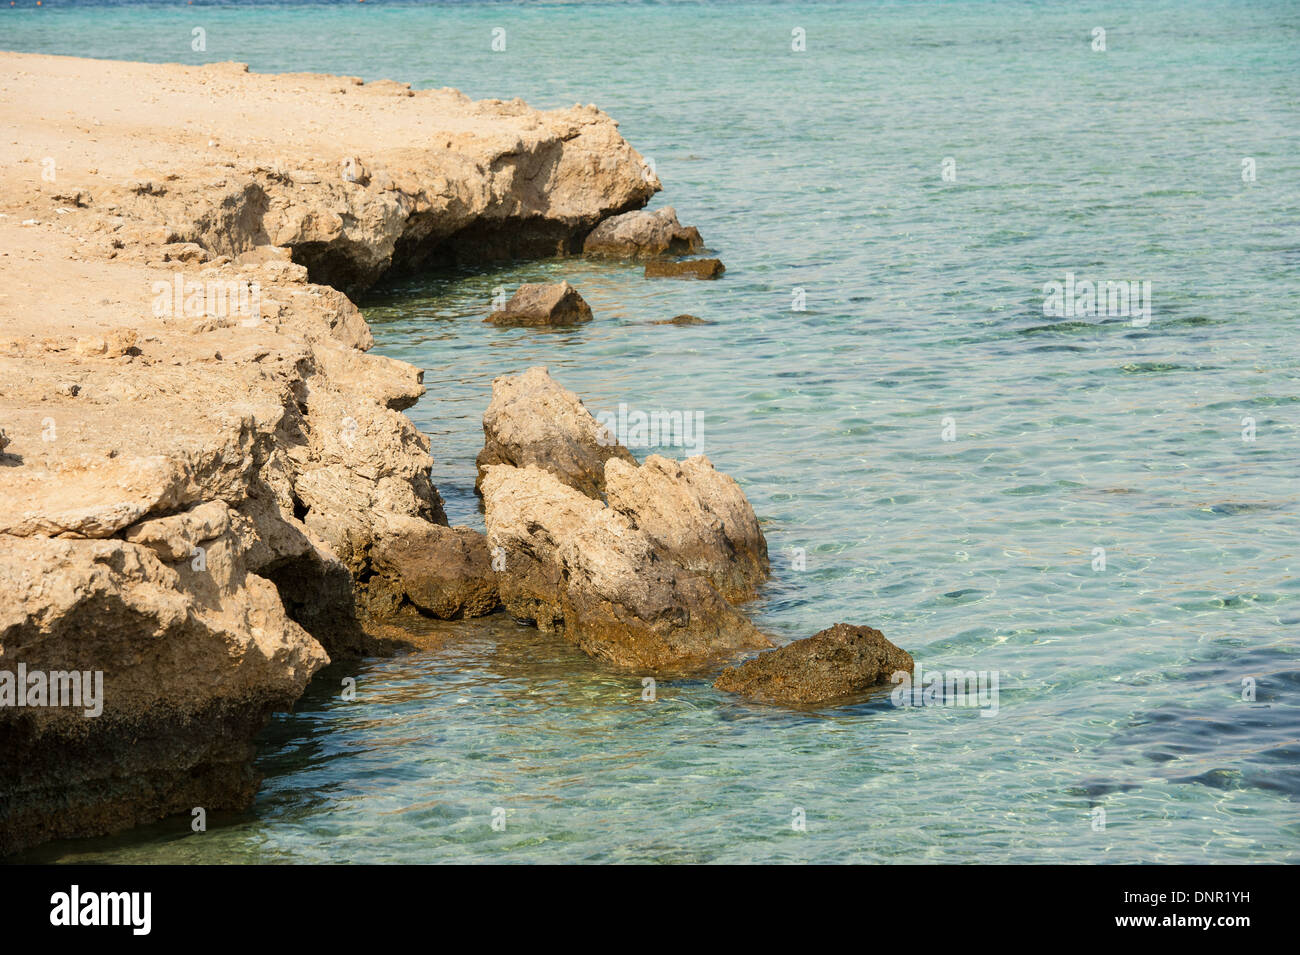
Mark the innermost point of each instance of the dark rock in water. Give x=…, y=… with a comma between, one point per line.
x=444, y=571
x=642, y=234
x=683, y=320
x=543, y=304
x=533, y=420
x=684, y=269
x=829, y=665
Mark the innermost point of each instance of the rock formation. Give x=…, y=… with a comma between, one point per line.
x=195, y=653
x=445, y=572
x=695, y=516
x=577, y=567
x=556, y=303
x=684, y=269
x=833, y=664
x=206, y=479
x=642, y=234
x=534, y=421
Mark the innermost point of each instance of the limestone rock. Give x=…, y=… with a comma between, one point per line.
x=556, y=303
x=835, y=663
x=214, y=487
x=529, y=514
x=578, y=568
x=444, y=571
x=532, y=420
x=695, y=516
x=642, y=234
x=684, y=269
x=192, y=661
x=625, y=604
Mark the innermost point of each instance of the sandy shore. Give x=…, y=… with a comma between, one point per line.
x=198, y=455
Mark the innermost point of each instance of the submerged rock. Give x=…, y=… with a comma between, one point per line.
x=695, y=516
x=835, y=663
x=684, y=269
x=642, y=234
x=534, y=421
x=446, y=572
x=556, y=303
x=581, y=569
x=683, y=320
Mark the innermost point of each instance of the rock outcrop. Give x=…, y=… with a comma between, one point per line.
x=695, y=516
x=207, y=480
x=534, y=304
x=684, y=269
x=577, y=567
x=445, y=572
x=642, y=234
x=831, y=665
x=534, y=421
x=194, y=652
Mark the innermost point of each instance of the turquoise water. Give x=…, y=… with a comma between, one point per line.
x=1121, y=688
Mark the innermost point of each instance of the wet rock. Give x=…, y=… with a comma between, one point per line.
x=835, y=663
x=194, y=657
x=625, y=604
x=684, y=269
x=444, y=571
x=642, y=234
x=684, y=320
x=695, y=516
x=532, y=420
x=578, y=568
x=536, y=304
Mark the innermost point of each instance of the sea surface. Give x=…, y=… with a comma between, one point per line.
x=928, y=451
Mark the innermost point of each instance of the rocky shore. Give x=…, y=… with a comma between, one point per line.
x=208, y=488
x=206, y=483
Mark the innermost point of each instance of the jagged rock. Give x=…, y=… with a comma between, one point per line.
x=684, y=269
x=175, y=537
x=534, y=421
x=624, y=603
x=835, y=663
x=444, y=571
x=193, y=662
x=696, y=516
x=271, y=440
x=555, y=303
x=641, y=234
x=529, y=514
x=353, y=169
x=576, y=567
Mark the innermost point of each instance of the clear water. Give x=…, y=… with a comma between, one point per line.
x=1120, y=689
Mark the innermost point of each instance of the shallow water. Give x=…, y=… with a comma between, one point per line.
x=1120, y=689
